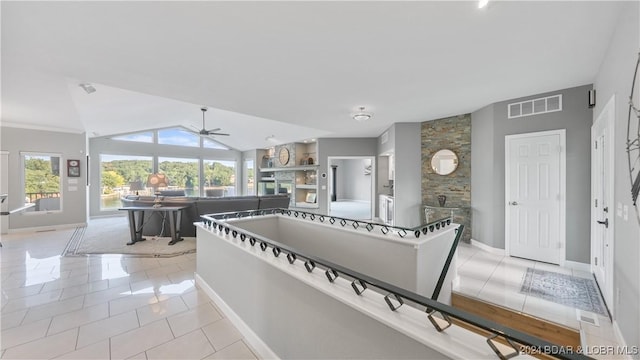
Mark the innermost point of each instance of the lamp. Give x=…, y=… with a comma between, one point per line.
x=361, y=115
x=136, y=186
x=155, y=181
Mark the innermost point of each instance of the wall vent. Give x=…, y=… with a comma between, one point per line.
x=587, y=317
x=535, y=106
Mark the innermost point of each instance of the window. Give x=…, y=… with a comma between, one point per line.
x=178, y=136
x=145, y=137
x=249, y=177
x=42, y=182
x=210, y=144
x=220, y=178
x=183, y=174
x=122, y=175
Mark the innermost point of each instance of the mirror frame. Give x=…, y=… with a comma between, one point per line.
x=438, y=156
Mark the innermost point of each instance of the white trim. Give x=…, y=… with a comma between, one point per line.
x=562, y=133
x=47, y=228
x=620, y=338
x=610, y=131
x=255, y=343
x=578, y=266
x=4, y=152
x=487, y=248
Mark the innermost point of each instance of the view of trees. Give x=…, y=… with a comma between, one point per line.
x=185, y=175
x=42, y=174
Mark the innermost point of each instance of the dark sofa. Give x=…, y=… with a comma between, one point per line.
x=199, y=206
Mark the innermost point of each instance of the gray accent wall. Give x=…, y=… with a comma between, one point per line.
x=576, y=118
x=338, y=147
x=70, y=146
x=614, y=77
x=484, y=224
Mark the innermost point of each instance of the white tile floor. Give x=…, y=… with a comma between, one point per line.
x=114, y=307
x=497, y=279
x=106, y=307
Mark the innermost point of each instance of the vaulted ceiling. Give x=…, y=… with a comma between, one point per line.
x=294, y=70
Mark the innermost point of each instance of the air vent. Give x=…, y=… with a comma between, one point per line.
x=535, y=106
x=587, y=317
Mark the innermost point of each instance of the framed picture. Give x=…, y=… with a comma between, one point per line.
x=73, y=168
x=311, y=198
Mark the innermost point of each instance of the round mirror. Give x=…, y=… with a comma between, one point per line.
x=444, y=162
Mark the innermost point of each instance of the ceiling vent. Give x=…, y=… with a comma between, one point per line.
x=535, y=106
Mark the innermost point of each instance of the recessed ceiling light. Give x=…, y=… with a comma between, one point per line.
x=482, y=3
x=361, y=115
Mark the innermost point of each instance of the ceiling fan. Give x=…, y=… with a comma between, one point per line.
x=204, y=131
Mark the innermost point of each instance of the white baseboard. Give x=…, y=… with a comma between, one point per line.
x=620, y=338
x=257, y=345
x=577, y=266
x=46, y=228
x=487, y=248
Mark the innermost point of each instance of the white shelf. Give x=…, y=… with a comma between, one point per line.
x=306, y=205
x=290, y=168
x=306, y=186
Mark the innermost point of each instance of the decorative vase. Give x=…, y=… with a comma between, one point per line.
x=442, y=199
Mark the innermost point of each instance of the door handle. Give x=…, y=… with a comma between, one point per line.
x=605, y=223
x=513, y=203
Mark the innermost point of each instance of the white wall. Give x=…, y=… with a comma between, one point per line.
x=74, y=201
x=615, y=77
x=352, y=183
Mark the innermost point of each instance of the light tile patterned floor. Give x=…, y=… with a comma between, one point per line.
x=497, y=279
x=115, y=307
x=106, y=307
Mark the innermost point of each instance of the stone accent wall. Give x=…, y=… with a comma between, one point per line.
x=453, y=133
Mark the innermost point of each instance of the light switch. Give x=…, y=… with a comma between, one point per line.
x=619, y=209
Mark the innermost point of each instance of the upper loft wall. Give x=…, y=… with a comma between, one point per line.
x=453, y=133
x=74, y=191
x=614, y=77
x=576, y=119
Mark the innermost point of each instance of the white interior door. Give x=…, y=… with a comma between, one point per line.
x=602, y=201
x=534, y=193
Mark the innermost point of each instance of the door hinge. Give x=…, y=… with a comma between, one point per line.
x=596, y=203
x=596, y=261
x=596, y=145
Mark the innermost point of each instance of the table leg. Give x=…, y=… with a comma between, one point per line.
x=136, y=230
x=174, y=216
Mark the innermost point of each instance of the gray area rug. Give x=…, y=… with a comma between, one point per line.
x=110, y=236
x=581, y=293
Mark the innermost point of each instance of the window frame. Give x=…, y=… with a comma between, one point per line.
x=61, y=176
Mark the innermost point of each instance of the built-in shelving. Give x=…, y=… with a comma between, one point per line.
x=290, y=168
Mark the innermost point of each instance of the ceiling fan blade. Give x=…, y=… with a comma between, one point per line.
x=218, y=134
x=213, y=130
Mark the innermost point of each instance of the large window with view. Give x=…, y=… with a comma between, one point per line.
x=182, y=174
x=122, y=175
x=219, y=178
x=42, y=182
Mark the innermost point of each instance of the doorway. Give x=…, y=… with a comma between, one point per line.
x=351, y=187
x=602, y=200
x=535, y=191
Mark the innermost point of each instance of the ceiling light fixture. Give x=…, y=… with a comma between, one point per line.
x=88, y=88
x=361, y=115
x=271, y=138
x=482, y=3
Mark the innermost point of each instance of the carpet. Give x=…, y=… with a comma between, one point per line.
x=581, y=293
x=110, y=236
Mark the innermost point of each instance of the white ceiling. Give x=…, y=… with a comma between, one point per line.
x=295, y=70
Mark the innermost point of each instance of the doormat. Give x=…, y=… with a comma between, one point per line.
x=110, y=236
x=577, y=292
